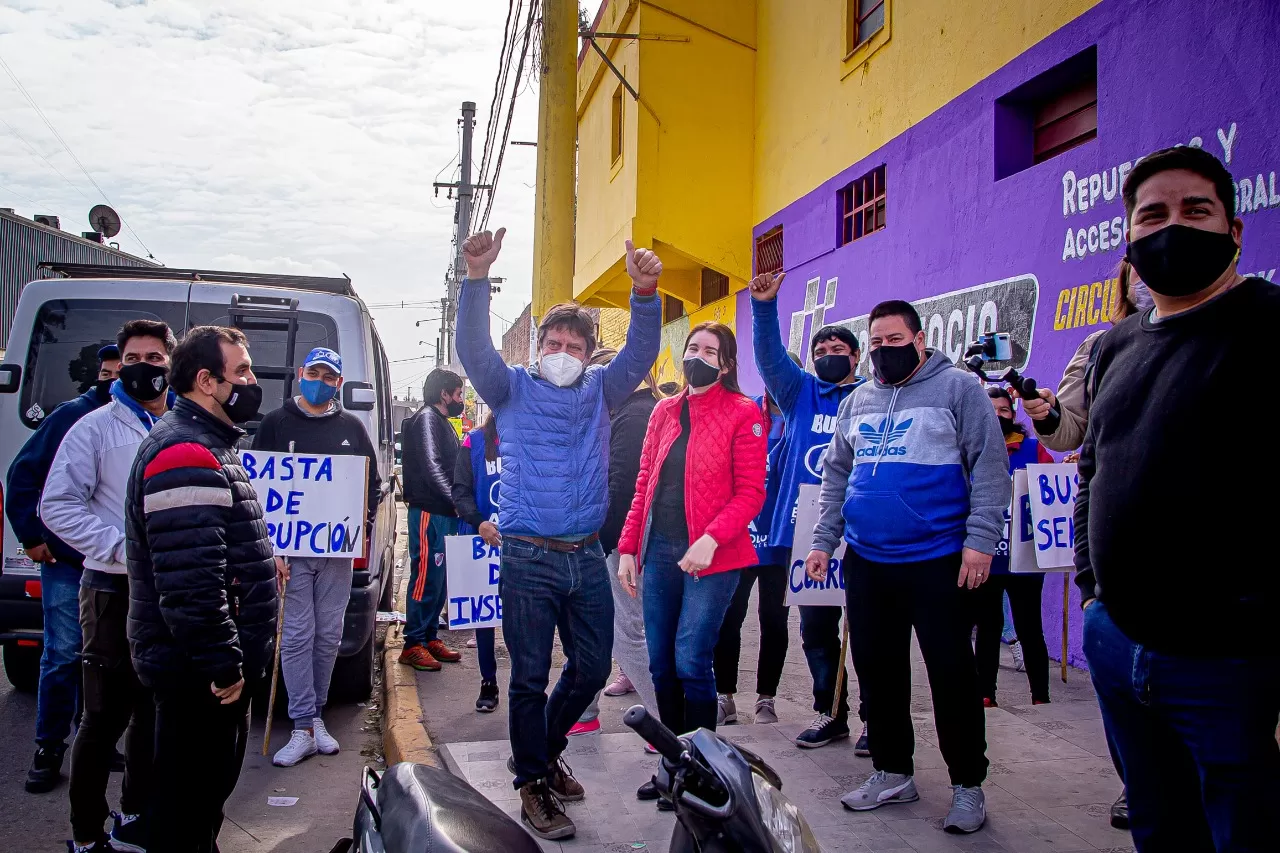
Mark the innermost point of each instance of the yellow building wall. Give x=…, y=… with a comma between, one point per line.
x=683, y=186
x=818, y=112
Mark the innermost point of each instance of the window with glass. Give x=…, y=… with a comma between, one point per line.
x=861, y=207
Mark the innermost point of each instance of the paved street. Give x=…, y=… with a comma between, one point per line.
x=1050, y=785
x=326, y=787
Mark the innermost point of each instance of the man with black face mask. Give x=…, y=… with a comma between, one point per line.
x=1179, y=612
x=83, y=503
x=203, y=586
x=60, y=568
x=430, y=451
x=809, y=402
x=916, y=481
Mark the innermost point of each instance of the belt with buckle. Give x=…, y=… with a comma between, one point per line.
x=558, y=545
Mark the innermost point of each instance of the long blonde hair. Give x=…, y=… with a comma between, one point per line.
x=604, y=355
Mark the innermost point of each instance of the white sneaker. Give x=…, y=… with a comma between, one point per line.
x=881, y=789
x=324, y=741
x=726, y=710
x=1019, y=660
x=300, y=747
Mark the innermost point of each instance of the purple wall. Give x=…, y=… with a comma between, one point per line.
x=979, y=254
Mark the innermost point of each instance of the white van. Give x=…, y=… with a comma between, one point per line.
x=51, y=356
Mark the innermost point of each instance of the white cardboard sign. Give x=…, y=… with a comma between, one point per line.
x=313, y=504
x=1051, y=490
x=472, y=571
x=1022, y=549
x=801, y=589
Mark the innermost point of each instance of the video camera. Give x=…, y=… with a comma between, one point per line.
x=997, y=346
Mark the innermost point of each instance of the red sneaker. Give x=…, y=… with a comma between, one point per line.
x=441, y=652
x=989, y=702
x=420, y=659
x=585, y=728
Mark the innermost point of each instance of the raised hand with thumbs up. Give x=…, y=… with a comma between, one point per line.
x=480, y=251
x=644, y=268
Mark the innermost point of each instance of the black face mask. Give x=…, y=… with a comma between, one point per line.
x=698, y=373
x=1179, y=260
x=895, y=364
x=1006, y=425
x=143, y=381
x=454, y=409
x=243, y=404
x=102, y=388
x=833, y=368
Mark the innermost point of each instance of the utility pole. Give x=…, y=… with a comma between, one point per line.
x=557, y=130
x=447, y=353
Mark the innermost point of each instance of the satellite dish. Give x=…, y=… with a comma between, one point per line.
x=104, y=220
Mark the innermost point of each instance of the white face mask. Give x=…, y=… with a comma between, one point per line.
x=560, y=368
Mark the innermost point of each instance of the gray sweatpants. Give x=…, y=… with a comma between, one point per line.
x=314, y=603
x=630, y=648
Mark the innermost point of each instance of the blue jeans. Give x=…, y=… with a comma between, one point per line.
x=59, y=690
x=426, y=575
x=541, y=590
x=820, y=637
x=682, y=619
x=1195, y=740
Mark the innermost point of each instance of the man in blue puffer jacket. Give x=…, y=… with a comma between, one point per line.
x=554, y=421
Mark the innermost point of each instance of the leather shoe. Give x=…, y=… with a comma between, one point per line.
x=647, y=791
x=1120, y=811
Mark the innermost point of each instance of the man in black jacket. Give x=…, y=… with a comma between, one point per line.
x=202, y=583
x=318, y=587
x=1179, y=594
x=430, y=451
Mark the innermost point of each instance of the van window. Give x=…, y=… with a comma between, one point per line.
x=380, y=372
x=62, y=360
x=267, y=347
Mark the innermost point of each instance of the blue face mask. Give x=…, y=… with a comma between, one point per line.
x=316, y=392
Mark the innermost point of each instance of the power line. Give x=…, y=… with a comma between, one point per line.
x=67, y=148
x=36, y=153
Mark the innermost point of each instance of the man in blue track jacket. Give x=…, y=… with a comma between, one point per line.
x=60, y=567
x=809, y=403
x=554, y=421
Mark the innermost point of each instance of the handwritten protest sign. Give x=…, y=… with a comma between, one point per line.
x=1022, y=549
x=1052, y=494
x=472, y=571
x=314, y=504
x=801, y=589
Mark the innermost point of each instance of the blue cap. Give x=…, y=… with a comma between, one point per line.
x=325, y=356
x=110, y=352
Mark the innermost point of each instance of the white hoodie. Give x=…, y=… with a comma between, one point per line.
x=84, y=496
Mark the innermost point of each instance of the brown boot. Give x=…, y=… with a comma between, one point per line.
x=560, y=778
x=542, y=813
x=419, y=658
x=441, y=652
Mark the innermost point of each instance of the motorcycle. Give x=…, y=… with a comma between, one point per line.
x=726, y=799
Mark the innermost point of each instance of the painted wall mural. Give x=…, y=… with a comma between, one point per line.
x=1035, y=253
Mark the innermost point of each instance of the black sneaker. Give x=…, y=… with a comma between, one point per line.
x=100, y=846
x=488, y=701
x=128, y=833
x=46, y=769
x=1120, y=811
x=862, y=746
x=822, y=731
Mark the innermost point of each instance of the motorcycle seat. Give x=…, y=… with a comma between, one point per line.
x=426, y=809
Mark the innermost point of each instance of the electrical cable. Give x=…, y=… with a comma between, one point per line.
x=70, y=153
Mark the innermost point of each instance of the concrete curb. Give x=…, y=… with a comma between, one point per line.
x=404, y=732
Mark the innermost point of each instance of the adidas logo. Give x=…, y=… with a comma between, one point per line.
x=345, y=443
x=886, y=434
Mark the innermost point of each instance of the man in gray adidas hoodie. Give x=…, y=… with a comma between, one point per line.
x=916, y=481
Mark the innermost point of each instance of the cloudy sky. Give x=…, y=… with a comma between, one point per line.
x=281, y=136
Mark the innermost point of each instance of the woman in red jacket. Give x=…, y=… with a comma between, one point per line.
x=702, y=473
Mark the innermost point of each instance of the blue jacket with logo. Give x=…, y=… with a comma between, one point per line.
x=765, y=554
x=1023, y=451
x=476, y=484
x=555, y=441
x=809, y=408
x=917, y=471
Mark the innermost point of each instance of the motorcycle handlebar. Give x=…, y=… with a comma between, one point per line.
x=654, y=732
